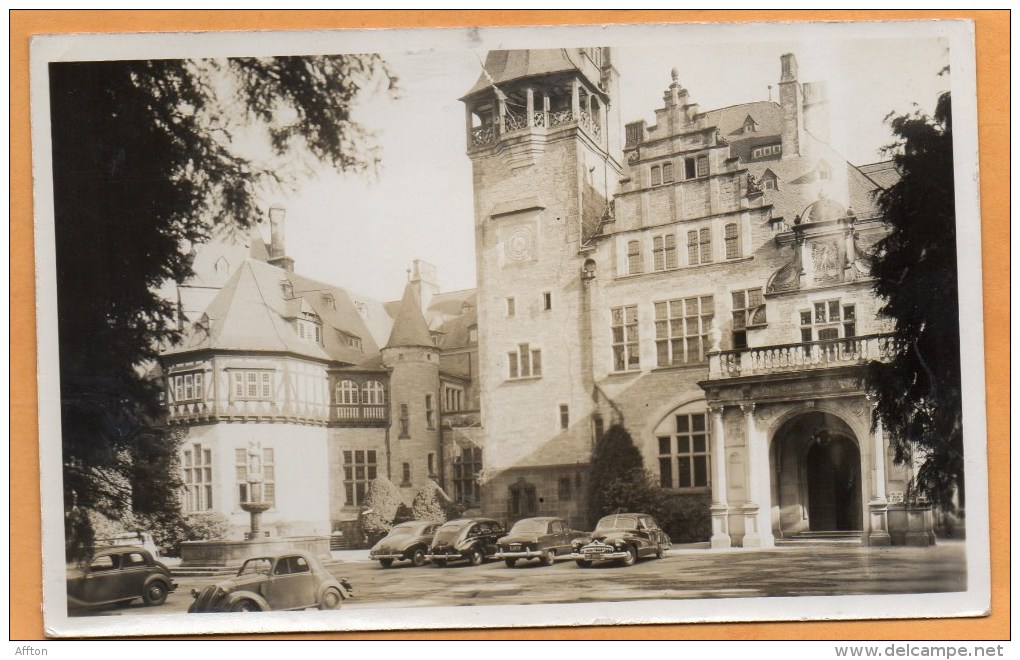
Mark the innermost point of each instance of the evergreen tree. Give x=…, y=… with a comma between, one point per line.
x=918, y=390
x=382, y=500
x=427, y=504
x=148, y=158
x=616, y=467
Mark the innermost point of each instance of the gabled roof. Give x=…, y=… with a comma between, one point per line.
x=251, y=312
x=410, y=327
x=767, y=116
x=510, y=65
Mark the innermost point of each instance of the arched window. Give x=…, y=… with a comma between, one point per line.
x=682, y=440
x=373, y=393
x=667, y=172
x=347, y=393
x=732, y=241
x=656, y=176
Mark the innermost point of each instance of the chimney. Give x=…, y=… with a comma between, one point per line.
x=789, y=101
x=816, y=110
x=277, y=253
x=425, y=282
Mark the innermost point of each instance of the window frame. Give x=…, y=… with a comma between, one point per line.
x=355, y=486
x=845, y=324
x=674, y=349
x=635, y=264
x=524, y=362
x=743, y=314
x=686, y=463
x=625, y=335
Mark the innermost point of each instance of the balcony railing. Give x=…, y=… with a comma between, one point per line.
x=800, y=357
x=359, y=412
x=484, y=136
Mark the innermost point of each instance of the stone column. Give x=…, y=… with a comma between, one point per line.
x=752, y=536
x=878, y=508
x=545, y=109
x=531, y=107
x=502, y=116
x=720, y=502
x=575, y=100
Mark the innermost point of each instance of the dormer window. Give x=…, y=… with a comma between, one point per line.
x=309, y=328
x=329, y=300
x=769, y=181
x=824, y=171
x=288, y=289
x=351, y=341
x=749, y=125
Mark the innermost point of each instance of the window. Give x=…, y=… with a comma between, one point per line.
x=749, y=125
x=768, y=150
x=252, y=384
x=452, y=398
x=826, y=320
x=406, y=474
x=197, y=462
x=351, y=341
x=525, y=362
x=732, y=238
x=405, y=422
x=268, y=484
x=430, y=411
x=309, y=330
x=769, y=181
x=347, y=393
x=510, y=307
x=432, y=465
x=359, y=470
x=664, y=252
x=466, y=468
x=656, y=176
x=104, y=563
x=699, y=246
x=683, y=452
x=565, y=489
x=625, y=338
x=188, y=387
x=744, y=305
x=473, y=334
x=547, y=301
x=523, y=500
x=681, y=330
x=373, y=394
x=667, y=172
x=702, y=166
x=634, y=265
x=564, y=416
x=690, y=168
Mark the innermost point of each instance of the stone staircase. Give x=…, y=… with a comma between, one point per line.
x=821, y=538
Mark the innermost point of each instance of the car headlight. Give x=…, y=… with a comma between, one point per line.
x=619, y=543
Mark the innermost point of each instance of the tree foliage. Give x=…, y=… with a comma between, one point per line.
x=616, y=464
x=149, y=157
x=918, y=391
x=382, y=500
x=428, y=503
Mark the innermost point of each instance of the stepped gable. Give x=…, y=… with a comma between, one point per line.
x=253, y=312
x=410, y=327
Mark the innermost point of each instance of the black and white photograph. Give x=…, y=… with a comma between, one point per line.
x=496, y=327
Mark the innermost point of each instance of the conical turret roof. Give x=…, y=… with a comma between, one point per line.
x=410, y=327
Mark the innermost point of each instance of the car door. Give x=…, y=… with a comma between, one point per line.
x=561, y=538
x=101, y=583
x=134, y=569
x=661, y=537
x=646, y=537
x=291, y=584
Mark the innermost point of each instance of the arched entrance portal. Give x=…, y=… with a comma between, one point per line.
x=833, y=467
x=816, y=469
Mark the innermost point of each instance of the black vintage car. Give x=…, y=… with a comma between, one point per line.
x=407, y=541
x=544, y=539
x=118, y=575
x=473, y=539
x=623, y=537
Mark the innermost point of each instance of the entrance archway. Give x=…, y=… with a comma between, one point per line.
x=816, y=476
x=833, y=466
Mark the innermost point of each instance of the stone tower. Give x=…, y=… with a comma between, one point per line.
x=543, y=137
x=413, y=361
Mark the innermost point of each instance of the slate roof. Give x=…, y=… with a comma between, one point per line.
x=883, y=173
x=768, y=115
x=509, y=65
x=410, y=327
x=252, y=312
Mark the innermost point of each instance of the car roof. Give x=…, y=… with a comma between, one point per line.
x=541, y=519
x=119, y=549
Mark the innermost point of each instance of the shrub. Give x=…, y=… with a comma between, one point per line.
x=383, y=502
x=686, y=518
x=428, y=503
x=617, y=470
x=404, y=514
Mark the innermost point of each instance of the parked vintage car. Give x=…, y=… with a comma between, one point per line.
x=118, y=575
x=536, y=538
x=473, y=539
x=624, y=537
x=288, y=581
x=407, y=541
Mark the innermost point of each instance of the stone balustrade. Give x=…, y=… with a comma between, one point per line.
x=799, y=357
x=485, y=136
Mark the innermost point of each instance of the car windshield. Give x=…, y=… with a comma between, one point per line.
x=256, y=566
x=529, y=527
x=405, y=528
x=616, y=522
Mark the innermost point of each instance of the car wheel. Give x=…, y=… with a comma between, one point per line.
x=476, y=557
x=155, y=593
x=631, y=557
x=385, y=563
x=549, y=557
x=330, y=600
x=583, y=563
x=245, y=605
x=510, y=563
x=418, y=558
x=439, y=563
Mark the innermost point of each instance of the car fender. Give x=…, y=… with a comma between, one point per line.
x=170, y=586
x=232, y=598
x=326, y=584
x=409, y=549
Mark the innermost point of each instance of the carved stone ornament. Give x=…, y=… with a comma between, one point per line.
x=825, y=255
x=520, y=244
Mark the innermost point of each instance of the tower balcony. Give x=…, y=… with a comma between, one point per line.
x=802, y=357
x=513, y=124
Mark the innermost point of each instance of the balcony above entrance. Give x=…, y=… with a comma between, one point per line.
x=793, y=358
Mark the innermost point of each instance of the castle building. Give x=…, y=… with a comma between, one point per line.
x=334, y=389
x=703, y=281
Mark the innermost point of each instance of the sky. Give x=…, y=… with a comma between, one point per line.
x=363, y=235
